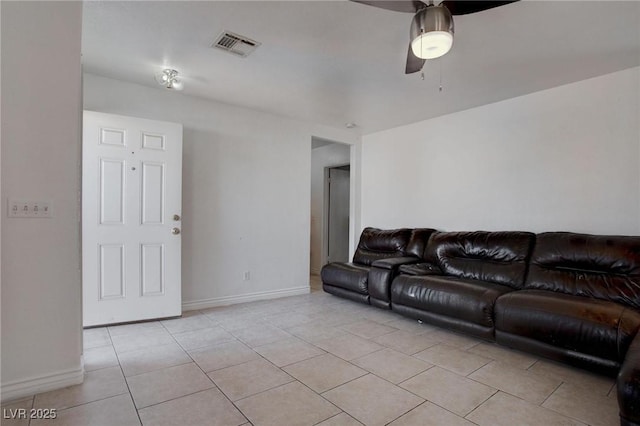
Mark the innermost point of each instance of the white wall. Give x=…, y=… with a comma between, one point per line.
x=331, y=155
x=566, y=158
x=246, y=190
x=41, y=118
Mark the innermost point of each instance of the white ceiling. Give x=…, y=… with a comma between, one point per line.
x=334, y=62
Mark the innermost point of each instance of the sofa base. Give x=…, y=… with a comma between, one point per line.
x=347, y=294
x=455, y=324
x=382, y=304
x=588, y=362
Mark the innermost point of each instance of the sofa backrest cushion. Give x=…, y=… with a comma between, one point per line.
x=376, y=244
x=497, y=257
x=418, y=241
x=602, y=266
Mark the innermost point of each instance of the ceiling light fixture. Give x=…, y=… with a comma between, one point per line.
x=431, y=32
x=169, y=79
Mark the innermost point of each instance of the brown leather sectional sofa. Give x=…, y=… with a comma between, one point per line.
x=570, y=297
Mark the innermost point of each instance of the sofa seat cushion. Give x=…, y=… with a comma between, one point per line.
x=581, y=324
x=346, y=275
x=467, y=300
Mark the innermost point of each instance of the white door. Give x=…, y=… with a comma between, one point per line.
x=131, y=212
x=338, y=222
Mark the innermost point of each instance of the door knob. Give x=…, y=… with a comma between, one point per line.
x=176, y=217
x=175, y=231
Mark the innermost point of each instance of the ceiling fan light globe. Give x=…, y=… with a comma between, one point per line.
x=432, y=44
x=431, y=32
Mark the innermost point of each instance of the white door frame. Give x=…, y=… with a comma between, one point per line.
x=355, y=152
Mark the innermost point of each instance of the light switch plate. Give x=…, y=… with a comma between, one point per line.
x=29, y=209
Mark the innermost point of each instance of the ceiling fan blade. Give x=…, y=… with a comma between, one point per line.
x=414, y=64
x=457, y=7
x=409, y=6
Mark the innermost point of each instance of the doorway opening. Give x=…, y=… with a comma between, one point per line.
x=330, y=205
x=336, y=186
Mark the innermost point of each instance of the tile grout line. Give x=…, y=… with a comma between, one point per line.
x=302, y=360
x=485, y=400
x=482, y=366
x=33, y=401
x=206, y=375
x=480, y=405
x=135, y=375
x=329, y=418
x=248, y=396
x=88, y=372
x=552, y=392
x=560, y=413
x=325, y=399
x=342, y=384
x=126, y=382
x=415, y=375
x=82, y=403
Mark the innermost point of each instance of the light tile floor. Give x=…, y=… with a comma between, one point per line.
x=315, y=360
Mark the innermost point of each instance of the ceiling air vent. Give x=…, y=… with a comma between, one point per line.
x=235, y=43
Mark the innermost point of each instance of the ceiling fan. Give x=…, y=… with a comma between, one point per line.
x=431, y=34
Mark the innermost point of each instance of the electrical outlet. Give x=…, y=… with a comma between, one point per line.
x=29, y=209
x=247, y=275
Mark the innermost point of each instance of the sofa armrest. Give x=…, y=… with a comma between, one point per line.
x=381, y=275
x=628, y=385
x=394, y=262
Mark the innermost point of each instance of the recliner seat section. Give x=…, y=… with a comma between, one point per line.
x=582, y=297
x=475, y=268
x=589, y=333
x=351, y=280
x=458, y=304
x=348, y=280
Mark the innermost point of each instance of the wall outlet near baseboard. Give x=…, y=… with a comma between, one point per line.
x=246, y=276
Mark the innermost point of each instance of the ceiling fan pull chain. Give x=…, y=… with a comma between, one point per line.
x=425, y=62
x=440, y=89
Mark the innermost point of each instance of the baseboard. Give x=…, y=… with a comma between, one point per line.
x=34, y=385
x=242, y=298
